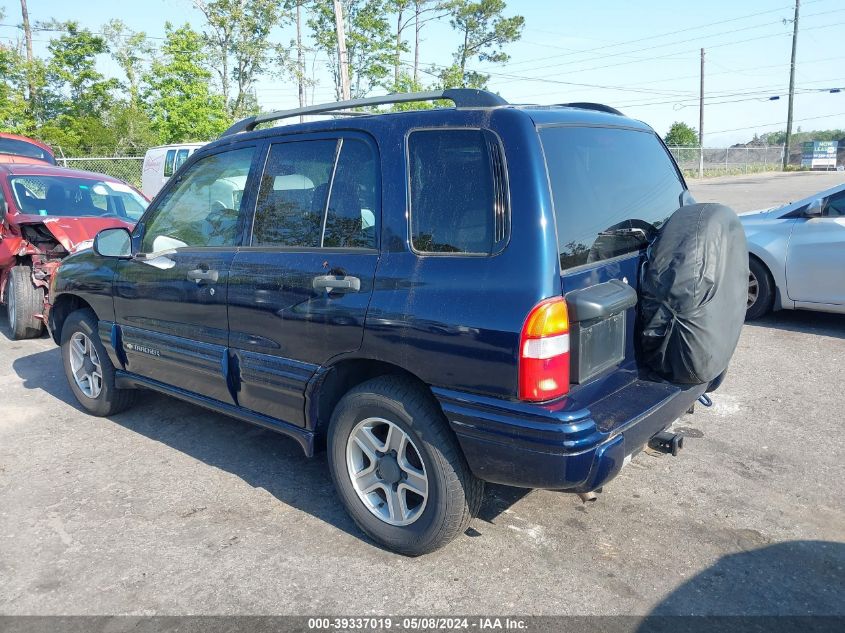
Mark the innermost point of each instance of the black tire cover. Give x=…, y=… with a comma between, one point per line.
x=693, y=294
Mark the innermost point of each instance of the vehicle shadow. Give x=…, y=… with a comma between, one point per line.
x=260, y=457
x=822, y=323
x=794, y=578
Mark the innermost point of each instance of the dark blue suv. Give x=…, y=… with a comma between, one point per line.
x=438, y=297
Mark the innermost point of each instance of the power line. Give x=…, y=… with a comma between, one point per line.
x=663, y=45
x=668, y=55
x=753, y=127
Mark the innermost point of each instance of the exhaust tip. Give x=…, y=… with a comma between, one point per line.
x=587, y=497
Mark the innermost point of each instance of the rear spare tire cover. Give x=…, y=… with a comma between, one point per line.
x=693, y=294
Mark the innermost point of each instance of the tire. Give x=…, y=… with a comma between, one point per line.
x=79, y=333
x=454, y=494
x=761, y=286
x=23, y=301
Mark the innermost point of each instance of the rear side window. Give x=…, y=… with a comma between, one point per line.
x=459, y=201
x=293, y=192
x=611, y=189
x=318, y=194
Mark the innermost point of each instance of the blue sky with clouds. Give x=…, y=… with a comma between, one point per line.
x=642, y=57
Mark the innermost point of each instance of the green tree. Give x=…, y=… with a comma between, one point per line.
x=484, y=33
x=237, y=37
x=681, y=135
x=370, y=42
x=14, y=113
x=129, y=49
x=76, y=88
x=181, y=104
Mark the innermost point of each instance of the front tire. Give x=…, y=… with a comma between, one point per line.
x=398, y=468
x=88, y=369
x=23, y=301
x=760, y=290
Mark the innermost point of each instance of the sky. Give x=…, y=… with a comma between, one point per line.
x=640, y=57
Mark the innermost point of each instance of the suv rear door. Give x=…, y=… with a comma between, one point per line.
x=612, y=188
x=300, y=287
x=170, y=302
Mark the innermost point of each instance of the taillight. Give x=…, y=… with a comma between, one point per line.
x=544, y=352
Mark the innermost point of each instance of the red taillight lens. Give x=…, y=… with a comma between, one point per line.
x=544, y=352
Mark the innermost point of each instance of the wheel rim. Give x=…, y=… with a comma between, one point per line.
x=85, y=365
x=10, y=305
x=753, y=290
x=387, y=471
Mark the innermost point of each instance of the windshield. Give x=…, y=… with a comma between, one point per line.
x=76, y=197
x=17, y=147
x=611, y=189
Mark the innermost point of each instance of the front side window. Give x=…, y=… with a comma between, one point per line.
x=457, y=191
x=169, y=160
x=612, y=188
x=204, y=207
x=317, y=194
x=76, y=197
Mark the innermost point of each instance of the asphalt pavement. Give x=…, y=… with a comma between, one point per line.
x=170, y=509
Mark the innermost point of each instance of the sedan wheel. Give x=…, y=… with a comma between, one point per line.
x=753, y=290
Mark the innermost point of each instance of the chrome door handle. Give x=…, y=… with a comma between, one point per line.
x=334, y=283
x=199, y=275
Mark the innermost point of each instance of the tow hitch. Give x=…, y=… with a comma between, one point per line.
x=667, y=442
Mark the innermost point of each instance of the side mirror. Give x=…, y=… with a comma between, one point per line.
x=814, y=209
x=115, y=242
x=4, y=207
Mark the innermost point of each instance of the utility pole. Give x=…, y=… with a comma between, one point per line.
x=701, y=121
x=791, y=87
x=300, y=65
x=341, y=51
x=27, y=31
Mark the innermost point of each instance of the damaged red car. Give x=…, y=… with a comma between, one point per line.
x=47, y=213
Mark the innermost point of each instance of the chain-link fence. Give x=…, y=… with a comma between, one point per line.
x=717, y=161
x=728, y=160
x=127, y=168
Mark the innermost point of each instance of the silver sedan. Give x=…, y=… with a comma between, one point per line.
x=797, y=255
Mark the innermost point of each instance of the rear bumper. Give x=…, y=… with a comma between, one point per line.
x=556, y=445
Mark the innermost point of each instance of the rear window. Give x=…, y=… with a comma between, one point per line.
x=611, y=189
x=17, y=147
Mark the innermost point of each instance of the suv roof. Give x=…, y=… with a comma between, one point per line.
x=465, y=99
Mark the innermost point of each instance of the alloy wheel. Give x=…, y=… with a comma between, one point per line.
x=387, y=471
x=753, y=290
x=85, y=365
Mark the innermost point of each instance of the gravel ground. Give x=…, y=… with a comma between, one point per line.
x=169, y=509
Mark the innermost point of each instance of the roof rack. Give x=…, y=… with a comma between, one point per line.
x=461, y=97
x=587, y=105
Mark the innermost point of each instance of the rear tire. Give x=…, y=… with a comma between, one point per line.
x=761, y=294
x=413, y=448
x=23, y=301
x=89, y=369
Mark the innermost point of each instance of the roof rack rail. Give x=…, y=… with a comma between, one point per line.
x=461, y=97
x=587, y=105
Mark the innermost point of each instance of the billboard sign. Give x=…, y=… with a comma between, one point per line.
x=819, y=154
